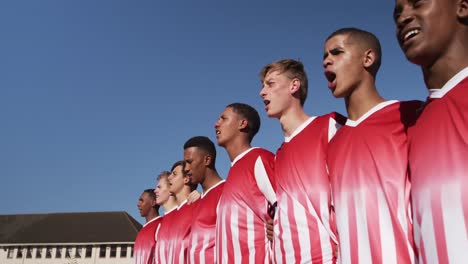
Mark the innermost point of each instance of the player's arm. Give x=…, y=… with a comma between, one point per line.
x=263, y=176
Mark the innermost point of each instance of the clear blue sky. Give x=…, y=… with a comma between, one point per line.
x=98, y=97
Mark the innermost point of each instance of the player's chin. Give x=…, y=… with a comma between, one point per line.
x=272, y=114
x=220, y=142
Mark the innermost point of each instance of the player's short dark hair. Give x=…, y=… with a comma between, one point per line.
x=151, y=193
x=365, y=39
x=205, y=144
x=184, y=173
x=179, y=163
x=293, y=69
x=249, y=113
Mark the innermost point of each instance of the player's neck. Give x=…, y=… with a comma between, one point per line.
x=362, y=100
x=169, y=204
x=181, y=196
x=212, y=178
x=151, y=215
x=291, y=119
x=439, y=73
x=235, y=148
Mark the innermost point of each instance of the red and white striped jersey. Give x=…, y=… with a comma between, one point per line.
x=181, y=232
x=163, y=236
x=242, y=209
x=439, y=174
x=202, y=236
x=368, y=167
x=304, y=225
x=145, y=241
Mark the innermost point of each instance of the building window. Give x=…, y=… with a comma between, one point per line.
x=48, y=253
x=39, y=252
x=113, y=251
x=131, y=251
x=68, y=252
x=58, y=252
x=19, y=253
x=78, y=252
x=89, y=251
x=28, y=252
x=123, y=251
x=10, y=252
x=102, y=251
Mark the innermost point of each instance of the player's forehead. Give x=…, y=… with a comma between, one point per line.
x=334, y=40
x=177, y=170
x=144, y=196
x=228, y=111
x=275, y=74
x=191, y=153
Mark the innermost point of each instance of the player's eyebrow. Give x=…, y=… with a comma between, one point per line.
x=333, y=51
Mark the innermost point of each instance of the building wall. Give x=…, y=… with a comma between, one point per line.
x=98, y=254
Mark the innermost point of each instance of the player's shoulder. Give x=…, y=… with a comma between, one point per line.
x=335, y=117
x=412, y=105
x=410, y=111
x=257, y=151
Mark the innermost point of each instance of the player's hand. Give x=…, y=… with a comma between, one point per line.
x=269, y=229
x=193, y=196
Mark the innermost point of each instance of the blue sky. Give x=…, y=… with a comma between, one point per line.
x=98, y=97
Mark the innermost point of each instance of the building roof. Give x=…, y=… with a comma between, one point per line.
x=89, y=227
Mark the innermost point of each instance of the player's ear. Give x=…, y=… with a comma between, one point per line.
x=462, y=11
x=153, y=203
x=295, y=85
x=369, y=58
x=186, y=180
x=243, y=123
x=207, y=160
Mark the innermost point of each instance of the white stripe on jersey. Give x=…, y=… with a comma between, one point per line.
x=283, y=220
x=170, y=258
x=235, y=234
x=405, y=219
x=323, y=234
x=303, y=237
x=268, y=255
x=206, y=240
x=333, y=127
x=387, y=238
x=193, y=247
x=162, y=252
x=454, y=224
x=343, y=222
x=277, y=246
x=156, y=233
x=263, y=182
x=324, y=226
x=250, y=235
x=181, y=253
x=364, y=253
x=427, y=227
x=417, y=236
x=223, y=241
